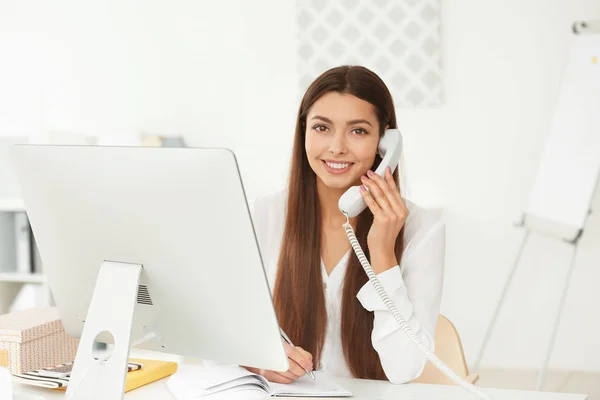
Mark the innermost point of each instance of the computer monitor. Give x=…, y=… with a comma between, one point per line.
x=179, y=216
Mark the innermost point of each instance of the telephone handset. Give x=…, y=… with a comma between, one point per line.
x=352, y=204
x=390, y=149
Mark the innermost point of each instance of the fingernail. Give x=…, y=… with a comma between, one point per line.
x=388, y=169
x=363, y=187
x=370, y=173
x=308, y=367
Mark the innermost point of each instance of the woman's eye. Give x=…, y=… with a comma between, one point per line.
x=320, y=128
x=359, y=131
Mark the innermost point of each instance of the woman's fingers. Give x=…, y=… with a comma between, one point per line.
x=394, y=193
x=306, y=354
x=370, y=202
x=299, y=360
x=374, y=185
x=389, y=177
x=299, y=357
x=295, y=370
x=387, y=194
x=277, y=377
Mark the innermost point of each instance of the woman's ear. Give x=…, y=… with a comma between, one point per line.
x=385, y=129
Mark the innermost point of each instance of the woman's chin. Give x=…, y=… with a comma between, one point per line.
x=338, y=183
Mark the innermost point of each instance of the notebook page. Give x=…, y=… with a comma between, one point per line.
x=179, y=388
x=246, y=383
x=204, y=381
x=322, y=386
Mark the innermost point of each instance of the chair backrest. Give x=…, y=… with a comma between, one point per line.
x=449, y=349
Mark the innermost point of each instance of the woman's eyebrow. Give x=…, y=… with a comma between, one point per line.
x=351, y=122
x=358, y=121
x=324, y=119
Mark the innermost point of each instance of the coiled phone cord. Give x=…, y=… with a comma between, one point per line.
x=400, y=319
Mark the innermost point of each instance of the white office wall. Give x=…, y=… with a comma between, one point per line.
x=223, y=74
x=503, y=63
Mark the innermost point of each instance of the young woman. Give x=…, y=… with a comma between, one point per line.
x=322, y=296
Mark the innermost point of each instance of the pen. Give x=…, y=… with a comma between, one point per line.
x=287, y=339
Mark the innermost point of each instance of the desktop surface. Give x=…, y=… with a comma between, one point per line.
x=360, y=388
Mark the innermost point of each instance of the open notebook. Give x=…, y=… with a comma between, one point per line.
x=230, y=381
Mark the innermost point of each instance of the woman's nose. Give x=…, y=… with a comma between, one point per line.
x=337, y=144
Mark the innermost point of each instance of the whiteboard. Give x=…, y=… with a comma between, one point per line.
x=561, y=195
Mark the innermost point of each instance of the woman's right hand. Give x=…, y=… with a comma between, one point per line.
x=299, y=360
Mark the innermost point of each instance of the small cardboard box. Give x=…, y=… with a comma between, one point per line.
x=34, y=339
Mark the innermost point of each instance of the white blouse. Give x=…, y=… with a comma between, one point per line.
x=415, y=286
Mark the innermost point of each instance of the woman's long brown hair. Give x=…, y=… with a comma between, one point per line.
x=298, y=293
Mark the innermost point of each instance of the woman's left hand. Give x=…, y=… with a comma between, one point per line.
x=389, y=214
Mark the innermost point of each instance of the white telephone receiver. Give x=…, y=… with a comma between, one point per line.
x=390, y=148
x=352, y=204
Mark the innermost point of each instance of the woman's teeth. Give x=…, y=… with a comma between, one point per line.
x=337, y=166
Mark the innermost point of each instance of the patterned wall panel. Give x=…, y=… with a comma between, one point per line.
x=398, y=39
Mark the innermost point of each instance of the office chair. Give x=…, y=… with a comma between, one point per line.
x=449, y=349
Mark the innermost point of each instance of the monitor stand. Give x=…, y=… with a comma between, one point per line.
x=111, y=310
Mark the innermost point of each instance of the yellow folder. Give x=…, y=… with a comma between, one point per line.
x=152, y=370
x=3, y=358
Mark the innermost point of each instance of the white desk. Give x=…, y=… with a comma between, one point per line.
x=361, y=389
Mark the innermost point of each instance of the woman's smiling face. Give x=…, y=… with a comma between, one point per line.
x=342, y=134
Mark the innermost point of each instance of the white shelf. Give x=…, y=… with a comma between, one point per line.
x=11, y=205
x=20, y=277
